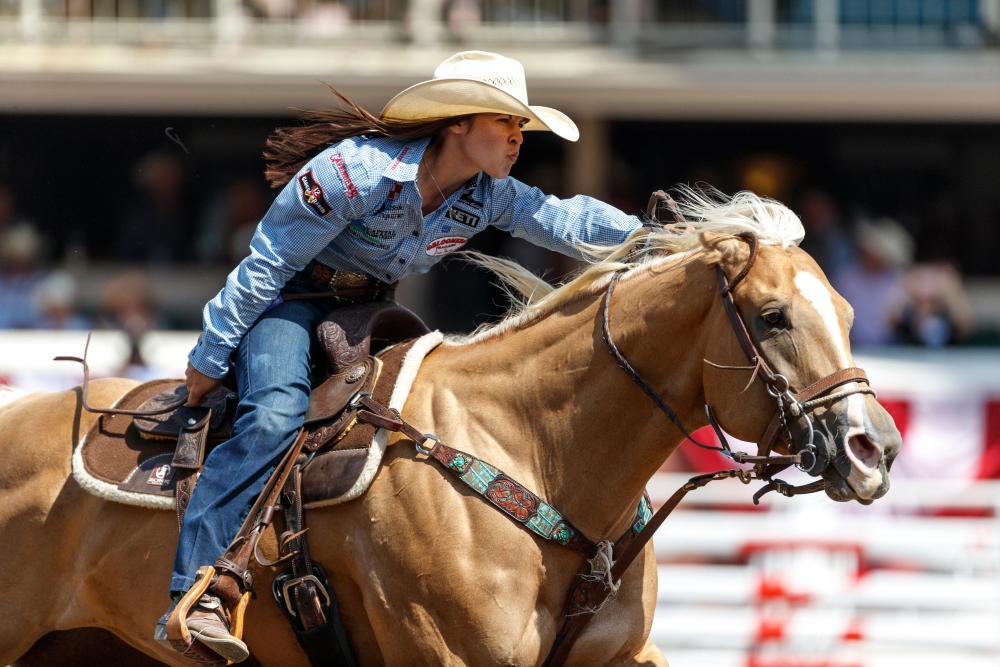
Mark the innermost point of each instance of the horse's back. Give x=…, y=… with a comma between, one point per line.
x=44, y=514
x=39, y=431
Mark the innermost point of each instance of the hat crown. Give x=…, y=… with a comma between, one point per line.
x=504, y=73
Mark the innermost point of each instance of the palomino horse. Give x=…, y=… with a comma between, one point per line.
x=426, y=572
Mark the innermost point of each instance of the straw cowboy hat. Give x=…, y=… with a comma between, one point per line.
x=477, y=82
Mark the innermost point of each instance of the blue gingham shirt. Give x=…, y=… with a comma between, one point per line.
x=356, y=207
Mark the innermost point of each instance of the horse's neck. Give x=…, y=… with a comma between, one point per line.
x=570, y=421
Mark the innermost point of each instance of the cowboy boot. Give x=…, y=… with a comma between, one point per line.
x=201, y=628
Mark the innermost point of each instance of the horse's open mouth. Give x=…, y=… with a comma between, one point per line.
x=840, y=489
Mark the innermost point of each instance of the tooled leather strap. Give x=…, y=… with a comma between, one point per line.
x=229, y=586
x=527, y=509
x=500, y=490
x=575, y=623
x=308, y=607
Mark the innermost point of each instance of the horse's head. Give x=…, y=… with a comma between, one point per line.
x=800, y=325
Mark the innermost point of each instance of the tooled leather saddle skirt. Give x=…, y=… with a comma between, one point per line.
x=153, y=461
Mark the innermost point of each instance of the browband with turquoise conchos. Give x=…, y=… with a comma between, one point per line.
x=523, y=506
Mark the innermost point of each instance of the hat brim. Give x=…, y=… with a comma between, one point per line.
x=446, y=98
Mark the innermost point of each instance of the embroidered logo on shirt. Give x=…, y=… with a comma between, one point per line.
x=349, y=187
x=387, y=209
x=446, y=245
x=467, y=190
x=375, y=237
x=399, y=158
x=463, y=217
x=312, y=194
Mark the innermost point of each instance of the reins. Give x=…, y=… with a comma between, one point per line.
x=765, y=465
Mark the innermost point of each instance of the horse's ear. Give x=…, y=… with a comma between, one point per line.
x=732, y=251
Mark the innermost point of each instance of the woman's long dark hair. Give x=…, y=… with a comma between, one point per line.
x=291, y=147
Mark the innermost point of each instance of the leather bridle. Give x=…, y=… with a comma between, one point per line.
x=790, y=405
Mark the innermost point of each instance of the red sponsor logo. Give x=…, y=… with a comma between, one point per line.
x=399, y=158
x=446, y=245
x=349, y=187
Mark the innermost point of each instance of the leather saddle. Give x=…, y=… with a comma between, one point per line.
x=349, y=336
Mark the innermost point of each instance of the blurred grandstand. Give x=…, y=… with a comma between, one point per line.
x=131, y=134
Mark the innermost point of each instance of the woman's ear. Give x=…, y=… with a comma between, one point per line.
x=460, y=128
x=732, y=251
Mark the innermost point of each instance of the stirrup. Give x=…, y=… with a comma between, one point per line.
x=177, y=630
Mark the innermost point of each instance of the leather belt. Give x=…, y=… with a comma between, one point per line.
x=335, y=280
x=343, y=284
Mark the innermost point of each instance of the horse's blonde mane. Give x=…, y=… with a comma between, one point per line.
x=704, y=210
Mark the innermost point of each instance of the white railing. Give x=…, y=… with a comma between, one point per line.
x=806, y=581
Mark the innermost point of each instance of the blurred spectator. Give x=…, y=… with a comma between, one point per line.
x=6, y=207
x=20, y=251
x=464, y=14
x=154, y=226
x=874, y=281
x=230, y=222
x=274, y=9
x=127, y=301
x=54, y=299
x=826, y=240
x=325, y=19
x=933, y=310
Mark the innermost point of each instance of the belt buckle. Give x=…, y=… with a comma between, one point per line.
x=347, y=280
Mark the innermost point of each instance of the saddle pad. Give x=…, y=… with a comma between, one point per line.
x=115, y=462
x=345, y=472
x=114, y=453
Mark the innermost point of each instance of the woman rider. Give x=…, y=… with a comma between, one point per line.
x=381, y=198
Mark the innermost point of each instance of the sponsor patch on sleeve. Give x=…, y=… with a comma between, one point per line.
x=463, y=217
x=349, y=187
x=312, y=194
x=445, y=245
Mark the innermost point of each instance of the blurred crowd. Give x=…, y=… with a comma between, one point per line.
x=871, y=261
x=154, y=228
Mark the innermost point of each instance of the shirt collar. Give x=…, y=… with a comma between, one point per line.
x=404, y=166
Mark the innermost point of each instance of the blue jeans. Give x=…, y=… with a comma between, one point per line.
x=273, y=374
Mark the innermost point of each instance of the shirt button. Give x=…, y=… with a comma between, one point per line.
x=416, y=234
x=402, y=261
x=388, y=276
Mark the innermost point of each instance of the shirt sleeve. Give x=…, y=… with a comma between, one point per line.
x=557, y=224
x=311, y=210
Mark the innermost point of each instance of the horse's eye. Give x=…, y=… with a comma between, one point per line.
x=773, y=317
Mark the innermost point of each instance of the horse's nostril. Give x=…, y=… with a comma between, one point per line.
x=864, y=450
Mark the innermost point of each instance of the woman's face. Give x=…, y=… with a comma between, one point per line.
x=490, y=141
